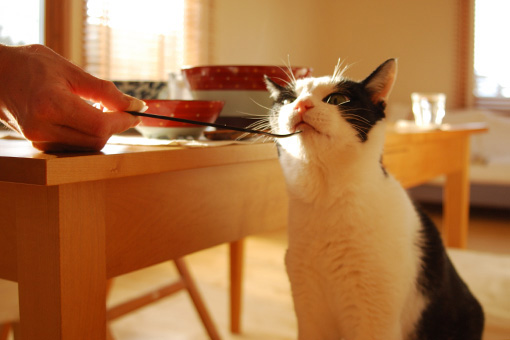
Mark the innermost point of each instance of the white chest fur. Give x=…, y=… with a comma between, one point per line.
x=354, y=261
x=353, y=255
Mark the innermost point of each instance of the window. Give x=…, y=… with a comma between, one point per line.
x=492, y=54
x=144, y=40
x=21, y=22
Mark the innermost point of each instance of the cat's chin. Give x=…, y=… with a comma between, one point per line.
x=305, y=128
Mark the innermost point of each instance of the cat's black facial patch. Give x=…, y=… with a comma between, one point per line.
x=359, y=110
x=353, y=99
x=286, y=96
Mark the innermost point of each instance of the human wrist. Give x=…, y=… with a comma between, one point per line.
x=9, y=64
x=4, y=64
x=4, y=58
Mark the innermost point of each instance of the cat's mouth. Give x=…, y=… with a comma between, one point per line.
x=303, y=126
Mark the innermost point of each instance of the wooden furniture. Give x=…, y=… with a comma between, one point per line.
x=9, y=311
x=9, y=314
x=72, y=221
x=185, y=282
x=416, y=157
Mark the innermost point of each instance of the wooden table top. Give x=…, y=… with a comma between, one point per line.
x=21, y=163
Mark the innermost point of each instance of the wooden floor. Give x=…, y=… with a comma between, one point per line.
x=489, y=229
x=268, y=312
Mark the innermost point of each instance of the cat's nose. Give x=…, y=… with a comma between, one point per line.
x=303, y=105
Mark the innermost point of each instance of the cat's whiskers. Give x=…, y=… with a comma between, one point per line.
x=362, y=130
x=288, y=83
x=252, y=115
x=258, y=125
x=356, y=109
x=355, y=117
x=289, y=72
x=339, y=71
x=260, y=105
x=261, y=121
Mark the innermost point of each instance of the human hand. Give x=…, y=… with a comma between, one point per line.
x=42, y=96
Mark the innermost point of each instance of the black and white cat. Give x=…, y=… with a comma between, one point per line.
x=363, y=262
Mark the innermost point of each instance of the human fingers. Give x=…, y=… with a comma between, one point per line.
x=34, y=109
x=104, y=92
x=59, y=147
x=79, y=81
x=59, y=107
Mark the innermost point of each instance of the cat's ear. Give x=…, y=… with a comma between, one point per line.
x=273, y=88
x=380, y=82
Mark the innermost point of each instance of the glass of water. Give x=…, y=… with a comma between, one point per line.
x=428, y=108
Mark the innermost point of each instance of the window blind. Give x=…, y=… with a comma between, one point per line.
x=145, y=40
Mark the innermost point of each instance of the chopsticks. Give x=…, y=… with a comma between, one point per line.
x=221, y=126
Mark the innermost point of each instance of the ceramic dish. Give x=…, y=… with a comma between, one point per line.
x=200, y=110
x=242, y=88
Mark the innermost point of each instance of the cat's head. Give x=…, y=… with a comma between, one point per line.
x=331, y=111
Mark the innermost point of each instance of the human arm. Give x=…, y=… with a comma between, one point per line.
x=42, y=96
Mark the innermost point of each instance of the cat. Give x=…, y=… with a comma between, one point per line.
x=364, y=263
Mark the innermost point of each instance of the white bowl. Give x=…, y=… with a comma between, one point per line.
x=197, y=110
x=238, y=103
x=157, y=132
x=241, y=87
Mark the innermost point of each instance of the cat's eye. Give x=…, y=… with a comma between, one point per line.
x=336, y=99
x=288, y=101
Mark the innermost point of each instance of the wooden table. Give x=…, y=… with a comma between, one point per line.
x=416, y=157
x=69, y=222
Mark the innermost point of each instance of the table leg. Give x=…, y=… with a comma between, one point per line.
x=456, y=202
x=61, y=261
x=236, y=282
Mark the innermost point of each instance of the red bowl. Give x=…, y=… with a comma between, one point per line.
x=200, y=110
x=237, y=77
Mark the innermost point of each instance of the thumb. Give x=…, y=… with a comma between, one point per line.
x=134, y=104
x=104, y=92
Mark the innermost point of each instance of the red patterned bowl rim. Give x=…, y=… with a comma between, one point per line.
x=239, y=77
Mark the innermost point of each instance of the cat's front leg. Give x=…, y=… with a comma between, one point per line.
x=314, y=319
x=313, y=322
x=375, y=330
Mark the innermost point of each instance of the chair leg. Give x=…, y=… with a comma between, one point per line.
x=109, y=285
x=15, y=330
x=236, y=282
x=197, y=299
x=109, y=335
x=4, y=330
